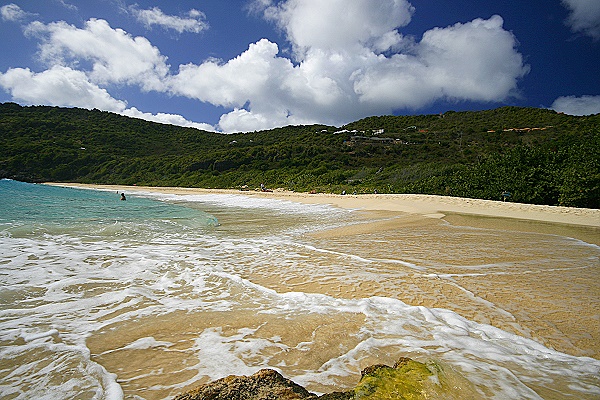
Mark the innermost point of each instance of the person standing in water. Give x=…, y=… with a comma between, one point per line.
x=123, y=196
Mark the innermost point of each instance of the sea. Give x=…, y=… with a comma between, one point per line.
x=145, y=298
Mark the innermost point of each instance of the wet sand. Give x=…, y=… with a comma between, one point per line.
x=536, y=295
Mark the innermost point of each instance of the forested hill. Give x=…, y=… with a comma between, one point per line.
x=537, y=155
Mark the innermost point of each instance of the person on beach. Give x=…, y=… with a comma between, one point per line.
x=123, y=196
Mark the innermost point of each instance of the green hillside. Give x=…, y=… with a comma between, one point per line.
x=537, y=155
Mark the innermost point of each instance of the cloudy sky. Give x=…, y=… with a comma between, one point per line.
x=245, y=65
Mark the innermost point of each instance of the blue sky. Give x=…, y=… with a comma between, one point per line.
x=245, y=65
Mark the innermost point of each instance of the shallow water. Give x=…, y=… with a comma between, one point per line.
x=145, y=298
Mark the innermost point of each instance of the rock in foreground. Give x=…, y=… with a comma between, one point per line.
x=266, y=384
x=406, y=380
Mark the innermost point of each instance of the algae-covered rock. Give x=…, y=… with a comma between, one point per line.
x=407, y=380
x=266, y=384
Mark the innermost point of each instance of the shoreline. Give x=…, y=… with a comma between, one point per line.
x=431, y=206
x=550, y=323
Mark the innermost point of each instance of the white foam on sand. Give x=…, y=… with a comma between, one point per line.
x=491, y=358
x=246, y=202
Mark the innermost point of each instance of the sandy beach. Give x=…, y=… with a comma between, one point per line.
x=555, y=304
x=425, y=205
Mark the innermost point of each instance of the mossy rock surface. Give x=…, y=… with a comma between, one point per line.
x=407, y=380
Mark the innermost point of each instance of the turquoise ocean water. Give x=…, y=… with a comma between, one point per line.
x=109, y=299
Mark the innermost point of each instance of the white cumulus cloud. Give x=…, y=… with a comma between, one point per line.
x=584, y=16
x=339, y=25
x=235, y=82
x=573, y=105
x=58, y=86
x=65, y=87
x=350, y=60
x=240, y=120
x=12, y=12
x=471, y=61
x=164, y=118
x=115, y=55
x=194, y=22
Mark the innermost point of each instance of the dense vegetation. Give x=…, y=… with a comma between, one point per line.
x=537, y=155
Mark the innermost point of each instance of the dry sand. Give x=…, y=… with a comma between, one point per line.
x=557, y=306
